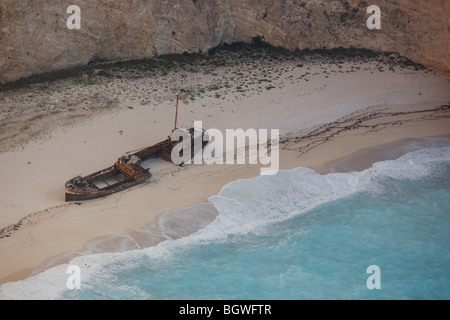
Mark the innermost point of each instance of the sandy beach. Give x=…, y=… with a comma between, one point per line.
x=326, y=109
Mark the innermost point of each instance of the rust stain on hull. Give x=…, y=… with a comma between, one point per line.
x=127, y=172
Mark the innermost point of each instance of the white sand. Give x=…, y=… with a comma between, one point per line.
x=32, y=179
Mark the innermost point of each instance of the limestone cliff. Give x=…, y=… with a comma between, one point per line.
x=34, y=37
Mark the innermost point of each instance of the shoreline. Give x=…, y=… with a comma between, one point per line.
x=321, y=120
x=353, y=155
x=359, y=160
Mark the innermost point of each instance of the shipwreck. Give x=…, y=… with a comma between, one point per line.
x=126, y=171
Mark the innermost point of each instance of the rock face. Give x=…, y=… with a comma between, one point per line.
x=34, y=37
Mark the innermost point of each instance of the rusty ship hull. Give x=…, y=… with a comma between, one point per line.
x=125, y=173
x=101, y=184
x=121, y=176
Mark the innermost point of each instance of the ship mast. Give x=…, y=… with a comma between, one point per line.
x=176, y=116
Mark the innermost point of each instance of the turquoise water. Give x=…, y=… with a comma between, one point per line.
x=298, y=235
